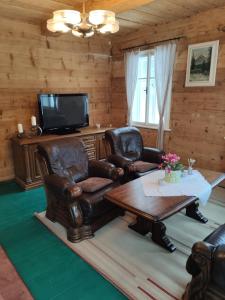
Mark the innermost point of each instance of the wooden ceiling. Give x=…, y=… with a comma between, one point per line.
x=161, y=11
x=132, y=14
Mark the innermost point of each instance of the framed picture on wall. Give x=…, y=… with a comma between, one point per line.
x=201, y=64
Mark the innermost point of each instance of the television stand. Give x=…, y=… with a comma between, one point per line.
x=66, y=131
x=27, y=172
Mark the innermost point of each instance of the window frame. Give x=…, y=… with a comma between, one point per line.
x=145, y=124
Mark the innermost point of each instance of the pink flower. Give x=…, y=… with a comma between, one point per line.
x=170, y=160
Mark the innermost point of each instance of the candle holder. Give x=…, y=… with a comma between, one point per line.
x=35, y=131
x=21, y=135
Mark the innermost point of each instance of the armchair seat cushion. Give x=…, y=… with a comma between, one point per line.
x=143, y=166
x=94, y=204
x=93, y=184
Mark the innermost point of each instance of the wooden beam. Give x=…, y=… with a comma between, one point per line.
x=115, y=5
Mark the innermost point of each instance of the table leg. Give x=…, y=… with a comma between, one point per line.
x=193, y=212
x=141, y=226
x=158, y=230
x=159, y=236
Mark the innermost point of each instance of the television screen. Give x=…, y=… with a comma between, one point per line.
x=63, y=111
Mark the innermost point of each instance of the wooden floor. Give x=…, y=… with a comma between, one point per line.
x=11, y=285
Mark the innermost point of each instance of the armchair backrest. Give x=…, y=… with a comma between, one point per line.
x=125, y=141
x=65, y=157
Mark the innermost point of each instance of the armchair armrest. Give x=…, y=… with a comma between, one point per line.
x=104, y=169
x=199, y=265
x=152, y=155
x=200, y=258
x=218, y=268
x=62, y=186
x=122, y=162
x=206, y=264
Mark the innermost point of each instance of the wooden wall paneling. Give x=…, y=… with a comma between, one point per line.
x=31, y=63
x=197, y=113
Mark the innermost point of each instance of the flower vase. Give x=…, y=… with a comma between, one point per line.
x=172, y=176
x=190, y=171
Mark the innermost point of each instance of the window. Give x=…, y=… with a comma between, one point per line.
x=145, y=108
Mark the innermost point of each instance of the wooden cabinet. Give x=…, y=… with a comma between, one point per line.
x=27, y=173
x=90, y=146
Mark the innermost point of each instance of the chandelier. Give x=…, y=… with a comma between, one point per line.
x=83, y=24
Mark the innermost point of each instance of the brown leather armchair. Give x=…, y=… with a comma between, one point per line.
x=75, y=187
x=206, y=264
x=128, y=152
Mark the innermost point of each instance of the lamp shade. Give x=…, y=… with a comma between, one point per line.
x=89, y=34
x=77, y=33
x=110, y=28
x=67, y=16
x=97, y=17
x=54, y=26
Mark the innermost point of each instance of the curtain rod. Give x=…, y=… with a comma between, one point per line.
x=151, y=44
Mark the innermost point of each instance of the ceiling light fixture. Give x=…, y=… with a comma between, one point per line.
x=83, y=24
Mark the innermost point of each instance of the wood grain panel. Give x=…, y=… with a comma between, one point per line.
x=197, y=113
x=31, y=63
x=134, y=13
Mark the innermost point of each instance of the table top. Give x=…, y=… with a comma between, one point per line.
x=131, y=197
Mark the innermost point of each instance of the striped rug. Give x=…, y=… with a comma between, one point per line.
x=137, y=266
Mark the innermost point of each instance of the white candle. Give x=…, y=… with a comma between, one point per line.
x=33, y=121
x=20, y=128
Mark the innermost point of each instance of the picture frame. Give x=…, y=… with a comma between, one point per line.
x=202, y=64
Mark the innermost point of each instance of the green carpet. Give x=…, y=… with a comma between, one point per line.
x=49, y=268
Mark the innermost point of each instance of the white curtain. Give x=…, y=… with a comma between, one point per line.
x=164, y=63
x=131, y=76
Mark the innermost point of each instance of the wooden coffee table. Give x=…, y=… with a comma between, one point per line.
x=151, y=211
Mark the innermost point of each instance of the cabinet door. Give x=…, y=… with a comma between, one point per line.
x=34, y=166
x=101, y=153
x=90, y=146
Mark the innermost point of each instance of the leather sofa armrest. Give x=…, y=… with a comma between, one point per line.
x=62, y=186
x=152, y=155
x=218, y=267
x=200, y=258
x=104, y=169
x=122, y=162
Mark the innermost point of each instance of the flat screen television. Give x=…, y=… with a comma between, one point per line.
x=63, y=113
